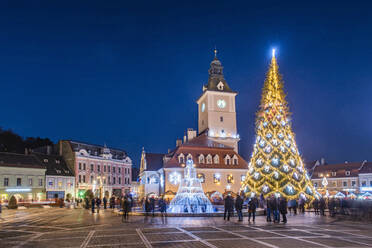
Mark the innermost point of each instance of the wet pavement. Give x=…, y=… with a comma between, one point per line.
x=81, y=228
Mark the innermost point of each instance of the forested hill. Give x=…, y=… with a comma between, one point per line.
x=12, y=142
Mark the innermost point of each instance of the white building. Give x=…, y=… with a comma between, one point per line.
x=365, y=177
x=59, y=179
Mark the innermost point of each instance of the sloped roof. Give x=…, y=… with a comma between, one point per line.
x=154, y=161
x=54, y=164
x=340, y=170
x=19, y=161
x=203, y=145
x=216, y=76
x=96, y=150
x=367, y=168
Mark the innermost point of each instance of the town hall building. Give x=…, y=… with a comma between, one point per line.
x=214, y=150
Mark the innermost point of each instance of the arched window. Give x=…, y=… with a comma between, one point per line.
x=216, y=159
x=209, y=159
x=201, y=159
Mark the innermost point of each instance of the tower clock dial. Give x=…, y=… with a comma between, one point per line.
x=221, y=103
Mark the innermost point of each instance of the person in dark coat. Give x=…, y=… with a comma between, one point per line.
x=152, y=205
x=127, y=207
x=283, y=208
x=104, y=202
x=322, y=206
x=147, y=206
x=93, y=202
x=252, y=206
x=316, y=206
x=162, y=206
x=98, y=203
x=275, y=208
x=269, y=209
x=229, y=207
x=112, y=202
x=239, y=207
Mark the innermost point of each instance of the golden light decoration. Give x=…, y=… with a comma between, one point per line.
x=276, y=165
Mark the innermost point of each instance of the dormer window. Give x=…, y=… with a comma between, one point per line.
x=216, y=159
x=181, y=158
x=209, y=159
x=45, y=160
x=220, y=86
x=235, y=160
x=201, y=159
x=347, y=173
x=333, y=173
x=227, y=159
x=189, y=156
x=57, y=161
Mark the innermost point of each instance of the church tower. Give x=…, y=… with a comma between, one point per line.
x=216, y=108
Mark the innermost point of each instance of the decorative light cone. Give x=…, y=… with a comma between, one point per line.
x=190, y=197
x=276, y=166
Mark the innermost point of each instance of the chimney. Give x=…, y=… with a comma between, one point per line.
x=191, y=133
x=48, y=150
x=60, y=148
x=184, y=138
x=322, y=161
x=26, y=151
x=178, y=142
x=168, y=150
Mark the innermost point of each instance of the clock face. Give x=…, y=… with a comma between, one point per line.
x=221, y=103
x=203, y=107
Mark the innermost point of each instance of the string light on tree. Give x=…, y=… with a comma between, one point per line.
x=275, y=146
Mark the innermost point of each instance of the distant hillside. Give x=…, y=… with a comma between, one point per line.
x=12, y=142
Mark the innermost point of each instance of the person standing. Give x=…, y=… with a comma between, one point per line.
x=322, y=206
x=104, y=202
x=275, y=208
x=98, y=203
x=93, y=202
x=229, y=207
x=283, y=208
x=269, y=209
x=252, y=206
x=147, y=206
x=152, y=205
x=316, y=206
x=163, y=207
x=239, y=207
x=126, y=204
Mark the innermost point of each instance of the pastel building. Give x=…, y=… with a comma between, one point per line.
x=105, y=171
x=22, y=176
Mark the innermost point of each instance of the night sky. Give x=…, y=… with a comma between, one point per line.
x=129, y=74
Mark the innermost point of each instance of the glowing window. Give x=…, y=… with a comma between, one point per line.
x=201, y=177
x=216, y=178
x=230, y=179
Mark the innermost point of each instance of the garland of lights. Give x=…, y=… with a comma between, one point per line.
x=276, y=166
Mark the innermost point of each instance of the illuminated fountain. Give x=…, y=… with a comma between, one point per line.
x=190, y=197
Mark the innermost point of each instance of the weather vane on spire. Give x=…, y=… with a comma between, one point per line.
x=215, y=52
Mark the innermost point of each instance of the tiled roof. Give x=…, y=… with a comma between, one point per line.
x=340, y=170
x=367, y=168
x=54, y=164
x=96, y=150
x=196, y=151
x=204, y=141
x=154, y=161
x=19, y=161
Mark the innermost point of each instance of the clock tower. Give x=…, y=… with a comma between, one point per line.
x=216, y=108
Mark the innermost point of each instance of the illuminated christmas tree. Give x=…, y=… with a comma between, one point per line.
x=276, y=166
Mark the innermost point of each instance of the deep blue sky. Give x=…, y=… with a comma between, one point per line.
x=129, y=74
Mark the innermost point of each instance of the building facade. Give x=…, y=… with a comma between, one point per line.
x=22, y=176
x=105, y=171
x=59, y=179
x=214, y=150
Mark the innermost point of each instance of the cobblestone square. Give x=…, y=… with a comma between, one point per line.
x=80, y=228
